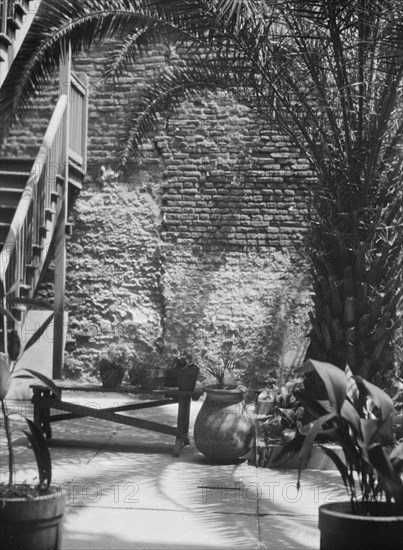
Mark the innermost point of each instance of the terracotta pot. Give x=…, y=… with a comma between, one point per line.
x=112, y=379
x=186, y=378
x=170, y=378
x=151, y=379
x=341, y=529
x=224, y=428
x=32, y=524
x=265, y=407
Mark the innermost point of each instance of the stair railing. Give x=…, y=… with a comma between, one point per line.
x=78, y=114
x=25, y=242
x=14, y=26
x=4, y=12
x=32, y=228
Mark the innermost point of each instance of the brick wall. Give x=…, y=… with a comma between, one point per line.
x=199, y=241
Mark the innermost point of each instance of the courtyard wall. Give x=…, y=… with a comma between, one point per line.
x=198, y=241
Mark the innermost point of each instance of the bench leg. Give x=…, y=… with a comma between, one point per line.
x=182, y=437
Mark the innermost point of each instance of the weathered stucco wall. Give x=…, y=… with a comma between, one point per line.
x=199, y=241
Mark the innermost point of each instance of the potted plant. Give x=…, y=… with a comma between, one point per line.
x=152, y=371
x=398, y=402
x=31, y=515
x=359, y=420
x=113, y=364
x=224, y=427
x=133, y=371
x=278, y=398
x=278, y=414
x=185, y=371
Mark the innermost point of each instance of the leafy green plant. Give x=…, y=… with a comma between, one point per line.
x=182, y=360
x=151, y=370
x=282, y=395
x=151, y=360
x=233, y=357
x=9, y=370
x=358, y=417
x=327, y=74
x=283, y=409
x=117, y=357
x=113, y=364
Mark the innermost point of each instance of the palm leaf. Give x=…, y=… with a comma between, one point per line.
x=380, y=398
x=307, y=445
x=42, y=304
x=348, y=479
x=41, y=451
x=289, y=449
x=12, y=288
x=349, y=413
x=336, y=96
x=334, y=379
x=7, y=314
x=389, y=477
x=38, y=333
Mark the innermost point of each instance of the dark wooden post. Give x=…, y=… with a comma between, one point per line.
x=60, y=237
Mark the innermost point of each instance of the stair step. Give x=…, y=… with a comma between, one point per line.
x=24, y=290
x=10, y=196
x=54, y=196
x=18, y=311
x=37, y=249
x=17, y=164
x=49, y=213
x=12, y=190
x=43, y=231
x=19, y=10
x=5, y=40
x=13, y=23
x=6, y=214
x=4, y=228
x=10, y=178
x=4, y=233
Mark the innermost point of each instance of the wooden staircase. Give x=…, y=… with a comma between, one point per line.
x=14, y=173
x=15, y=20
x=33, y=207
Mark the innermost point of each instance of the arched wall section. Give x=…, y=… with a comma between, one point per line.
x=200, y=240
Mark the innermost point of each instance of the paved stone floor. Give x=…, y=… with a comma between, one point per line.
x=124, y=490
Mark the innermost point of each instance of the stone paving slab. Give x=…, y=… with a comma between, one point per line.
x=117, y=528
x=124, y=490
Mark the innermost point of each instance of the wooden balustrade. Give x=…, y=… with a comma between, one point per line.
x=79, y=119
x=43, y=199
x=20, y=258
x=5, y=6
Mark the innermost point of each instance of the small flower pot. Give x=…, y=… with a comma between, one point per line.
x=152, y=379
x=265, y=407
x=112, y=379
x=186, y=378
x=170, y=378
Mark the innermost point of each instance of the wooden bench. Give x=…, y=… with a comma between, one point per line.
x=44, y=400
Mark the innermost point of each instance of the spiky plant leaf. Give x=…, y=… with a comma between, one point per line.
x=38, y=333
x=5, y=377
x=41, y=452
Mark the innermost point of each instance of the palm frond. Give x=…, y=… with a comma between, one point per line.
x=326, y=73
